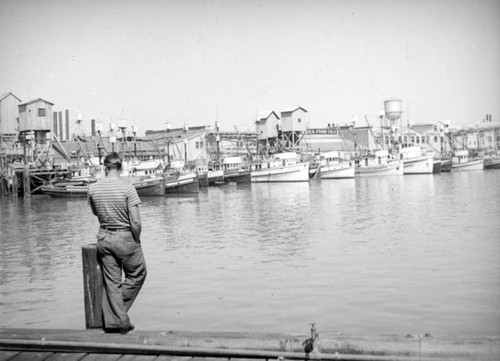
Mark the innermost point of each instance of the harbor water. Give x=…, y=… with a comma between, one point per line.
x=370, y=256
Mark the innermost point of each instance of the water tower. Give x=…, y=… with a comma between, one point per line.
x=393, y=110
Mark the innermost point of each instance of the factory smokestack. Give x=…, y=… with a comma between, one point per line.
x=67, y=124
x=54, y=123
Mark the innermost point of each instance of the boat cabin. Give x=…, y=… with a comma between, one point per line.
x=233, y=163
x=460, y=156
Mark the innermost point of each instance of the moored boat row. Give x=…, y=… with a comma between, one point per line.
x=283, y=167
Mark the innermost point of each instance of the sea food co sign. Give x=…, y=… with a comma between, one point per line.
x=325, y=131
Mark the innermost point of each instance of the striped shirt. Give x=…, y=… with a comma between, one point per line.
x=110, y=199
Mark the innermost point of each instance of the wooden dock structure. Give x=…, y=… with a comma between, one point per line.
x=94, y=344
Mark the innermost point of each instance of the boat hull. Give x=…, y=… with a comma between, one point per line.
x=446, y=165
x=419, y=165
x=289, y=173
x=150, y=187
x=436, y=167
x=216, y=178
x=337, y=171
x=237, y=176
x=187, y=183
x=471, y=165
x=388, y=169
x=492, y=163
x=203, y=179
x=65, y=192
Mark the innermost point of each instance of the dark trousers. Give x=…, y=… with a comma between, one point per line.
x=119, y=252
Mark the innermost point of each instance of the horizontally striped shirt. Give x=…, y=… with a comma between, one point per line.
x=110, y=199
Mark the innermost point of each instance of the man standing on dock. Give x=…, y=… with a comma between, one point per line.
x=116, y=205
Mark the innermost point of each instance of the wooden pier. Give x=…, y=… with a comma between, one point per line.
x=87, y=345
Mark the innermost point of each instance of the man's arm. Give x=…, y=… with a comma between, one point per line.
x=135, y=222
x=92, y=205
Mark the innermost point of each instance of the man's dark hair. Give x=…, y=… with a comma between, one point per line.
x=113, y=161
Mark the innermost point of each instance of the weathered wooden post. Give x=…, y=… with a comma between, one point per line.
x=92, y=287
x=3, y=183
x=26, y=182
x=15, y=185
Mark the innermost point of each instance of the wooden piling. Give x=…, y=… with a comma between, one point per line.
x=26, y=182
x=92, y=287
x=3, y=184
x=15, y=185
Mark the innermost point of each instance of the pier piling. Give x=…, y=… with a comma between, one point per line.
x=92, y=287
x=26, y=182
x=3, y=184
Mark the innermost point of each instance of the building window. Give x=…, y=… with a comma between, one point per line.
x=41, y=112
x=299, y=120
x=22, y=108
x=413, y=139
x=435, y=139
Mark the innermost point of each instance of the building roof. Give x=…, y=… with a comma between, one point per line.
x=292, y=109
x=37, y=100
x=266, y=114
x=5, y=95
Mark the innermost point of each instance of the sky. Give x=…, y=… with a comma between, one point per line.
x=194, y=62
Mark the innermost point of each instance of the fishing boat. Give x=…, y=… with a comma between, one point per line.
x=461, y=162
x=177, y=179
x=169, y=183
x=216, y=175
x=446, y=164
x=441, y=165
x=236, y=170
x=416, y=160
x=314, y=168
x=143, y=169
x=186, y=182
x=152, y=186
x=66, y=189
x=202, y=172
x=332, y=166
x=282, y=167
x=379, y=164
x=492, y=161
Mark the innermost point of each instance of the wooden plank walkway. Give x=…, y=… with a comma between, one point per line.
x=89, y=345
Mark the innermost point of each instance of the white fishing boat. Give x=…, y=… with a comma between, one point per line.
x=461, y=162
x=143, y=169
x=416, y=160
x=380, y=164
x=236, y=170
x=282, y=167
x=332, y=166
